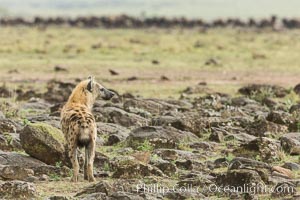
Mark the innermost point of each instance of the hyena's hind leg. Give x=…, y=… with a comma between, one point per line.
x=74, y=161
x=86, y=163
x=90, y=150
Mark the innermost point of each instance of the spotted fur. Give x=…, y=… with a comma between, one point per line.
x=79, y=126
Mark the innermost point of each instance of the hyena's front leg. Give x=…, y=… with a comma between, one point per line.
x=74, y=161
x=90, y=161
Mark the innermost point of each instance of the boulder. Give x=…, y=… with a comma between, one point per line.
x=290, y=143
x=17, y=190
x=159, y=137
x=43, y=142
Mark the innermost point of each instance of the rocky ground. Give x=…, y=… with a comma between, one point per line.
x=156, y=148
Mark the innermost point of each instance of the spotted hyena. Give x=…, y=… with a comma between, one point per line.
x=78, y=124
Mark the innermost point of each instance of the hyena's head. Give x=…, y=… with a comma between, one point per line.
x=97, y=89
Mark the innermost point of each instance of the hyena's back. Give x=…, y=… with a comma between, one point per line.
x=78, y=125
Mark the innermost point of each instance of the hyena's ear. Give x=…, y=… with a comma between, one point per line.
x=90, y=84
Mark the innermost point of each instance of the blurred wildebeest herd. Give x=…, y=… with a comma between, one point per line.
x=124, y=21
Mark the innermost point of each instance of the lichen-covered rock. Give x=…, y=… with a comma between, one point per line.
x=17, y=190
x=43, y=142
x=290, y=142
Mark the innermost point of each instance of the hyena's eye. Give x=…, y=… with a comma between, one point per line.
x=102, y=89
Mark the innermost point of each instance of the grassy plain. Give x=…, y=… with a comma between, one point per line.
x=224, y=58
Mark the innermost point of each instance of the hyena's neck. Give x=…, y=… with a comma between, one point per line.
x=80, y=97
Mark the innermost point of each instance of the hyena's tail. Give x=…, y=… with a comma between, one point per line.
x=84, y=137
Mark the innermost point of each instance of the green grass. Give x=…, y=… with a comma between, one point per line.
x=34, y=52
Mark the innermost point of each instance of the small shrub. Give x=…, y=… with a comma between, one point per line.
x=58, y=164
x=145, y=146
x=106, y=167
x=54, y=177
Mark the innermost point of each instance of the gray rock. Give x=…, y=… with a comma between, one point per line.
x=262, y=127
x=267, y=149
x=280, y=117
x=121, y=117
x=166, y=167
x=96, y=196
x=17, y=190
x=7, y=126
x=265, y=89
x=103, y=187
x=11, y=158
x=110, y=128
x=290, y=142
x=239, y=177
x=295, y=109
x=15, y=172
x=174, y=154
x=127, y=167
x=246, y=163
x=292, y=166
x=125, y=195
x=216, y=136
x=242, y=101
x=159, y=137
x=10, y=142
x=143, y=107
